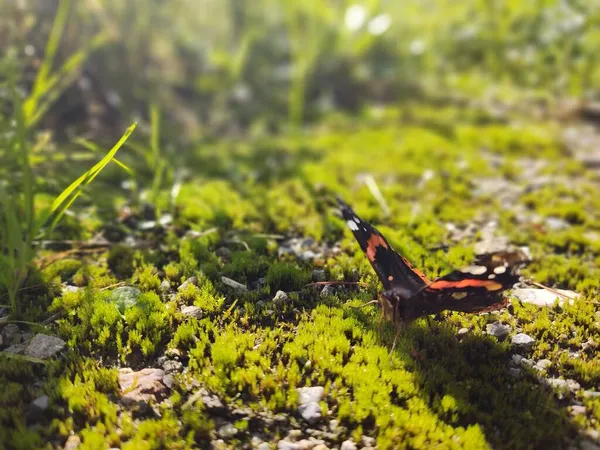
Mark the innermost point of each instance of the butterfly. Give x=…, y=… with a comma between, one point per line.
x=409, y=294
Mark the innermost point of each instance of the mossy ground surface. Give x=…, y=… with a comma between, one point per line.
x=244, y=200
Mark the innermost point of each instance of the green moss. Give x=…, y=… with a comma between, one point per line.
x=204, y=296
x=63, y=269
x=120, y=261
x=285, y=277
x=146, y=277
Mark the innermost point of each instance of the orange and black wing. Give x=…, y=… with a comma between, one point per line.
x=393, y=270
x=475, y=288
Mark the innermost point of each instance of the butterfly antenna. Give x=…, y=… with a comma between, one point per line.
x=325, y=283
x=549, y=289
x=363, y=306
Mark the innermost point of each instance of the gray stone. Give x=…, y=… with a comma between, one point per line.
x=327, y=290
x=516, y=359
x=368, y=441
x=462, y=331
x=348, y=445
x=498, y=330
x=280, y=298
x=17, y=349
x=227, y=431
x=263, y=446
x=12, y=334
x=72, y=442
x=557, y=224
x=523, y=341
x=186, y=283
x=43, y=346
x=311, y=412
x=172, y=366
x=192, y=311
x=577, y=410
x=141, y=386
x=41, y=403
x=570, y=385
x=310, y=394
x=543, y=364
x=165, y=285
x=234, y=284
x=334, y=424
x=543, y=297
x=592, y=394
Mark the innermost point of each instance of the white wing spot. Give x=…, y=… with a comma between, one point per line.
x=352, y=225
x=357, y=220
x=491, y=276
x=475, y=270
x=500, y=269
x=459, y=295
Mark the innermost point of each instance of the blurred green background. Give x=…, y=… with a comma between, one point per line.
x=231, y=66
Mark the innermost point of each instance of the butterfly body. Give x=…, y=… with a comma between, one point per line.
x=408, y=294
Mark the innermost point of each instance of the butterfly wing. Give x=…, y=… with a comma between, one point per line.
x=475, y=288
x=393, y=270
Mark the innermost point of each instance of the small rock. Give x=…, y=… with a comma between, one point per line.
x=11, y=334
x=294, y=434
x=311, y=412
x=308, y=255
x=557, y=224
x=318, y=275
x=327, y=290
x=543, y=364
x=287, y=445
x=368, y=441
x=43, y=346
x=280, y=298
x=592, y=434
x=559, y=383
x=542, y=297
x=592, y=394
x=172, y=366
x=186, y=283
x=141, y=386
x=192, y=311
x=165, y=285
x=263, y=446
x=334, y=424
x=227, y=431
x=320, y=447
x=516, y=359
x=310, y=394
x=17, y=349
x=527, y=362
x=41, y=403
x=498, y=330
x=462, y=331
x=72, y=442
x=348, y=445
x=523, y=341
x=70, y=289
x=234, y=284
x=577, y=410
